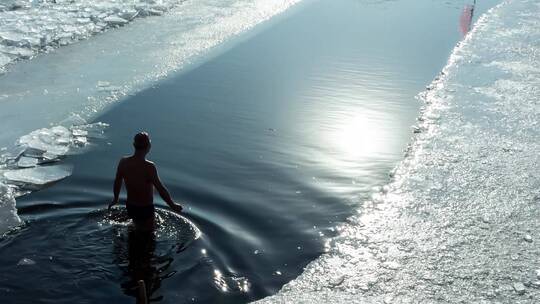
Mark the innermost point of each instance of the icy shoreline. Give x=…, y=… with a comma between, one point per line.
x=30, y=27
x=459, y=222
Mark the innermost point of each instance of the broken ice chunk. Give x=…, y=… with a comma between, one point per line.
x=53, y=140
x=58, y=150
x=94, y=130
x=4, y=60
x=154, y=12
x=33, y=152
x=19, y=52
x=63, y=141
x=74, y=119
x=103, y=83
x=105, y=86
x=79, y=132
x=391, y=265
x=109, y=89
x=519, y=288
x=26, y=262
x=336, y=281
x=80, y=141
x=128, y=14
x=60, y=131
x=12, y=153
x=115, y=20
x=38, y=176
x=11, y=38
x=49, y=157
x=27, y=162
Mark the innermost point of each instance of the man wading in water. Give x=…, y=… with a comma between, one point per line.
x=140, y=177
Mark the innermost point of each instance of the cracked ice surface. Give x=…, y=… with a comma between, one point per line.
x=29, y=27
x=460, y=222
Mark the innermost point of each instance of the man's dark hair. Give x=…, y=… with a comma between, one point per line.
x=141, y=141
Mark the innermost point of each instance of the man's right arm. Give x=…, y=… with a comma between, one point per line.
x=117, y=184
x=163, y=192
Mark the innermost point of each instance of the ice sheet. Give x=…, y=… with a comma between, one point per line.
x=30, y=27
x=38, y=176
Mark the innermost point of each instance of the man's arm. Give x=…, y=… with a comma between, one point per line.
x=117, y=184
x=163, y=192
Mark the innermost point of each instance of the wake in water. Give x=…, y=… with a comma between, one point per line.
x=96, y=253
x=459, y=223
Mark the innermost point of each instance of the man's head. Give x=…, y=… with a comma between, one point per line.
x=141, y=142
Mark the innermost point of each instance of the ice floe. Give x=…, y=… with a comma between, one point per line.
x=51, y=143
x=34, y=162
x=38, y=176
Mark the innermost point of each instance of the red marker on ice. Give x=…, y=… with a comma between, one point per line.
x=465, y=20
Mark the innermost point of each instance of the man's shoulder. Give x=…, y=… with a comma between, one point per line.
x=124, y=159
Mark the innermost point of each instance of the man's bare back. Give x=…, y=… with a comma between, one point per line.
x=140, y=177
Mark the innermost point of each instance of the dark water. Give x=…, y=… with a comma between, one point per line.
x=269, y=146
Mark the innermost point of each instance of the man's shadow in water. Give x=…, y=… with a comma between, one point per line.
x=138, y=261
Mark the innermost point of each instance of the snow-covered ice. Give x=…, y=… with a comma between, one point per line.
x=30, y=27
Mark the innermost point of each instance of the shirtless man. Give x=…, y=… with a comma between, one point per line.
x=140, y=177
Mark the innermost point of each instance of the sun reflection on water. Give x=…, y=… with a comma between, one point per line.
x=355, y=136
x=230, y=283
